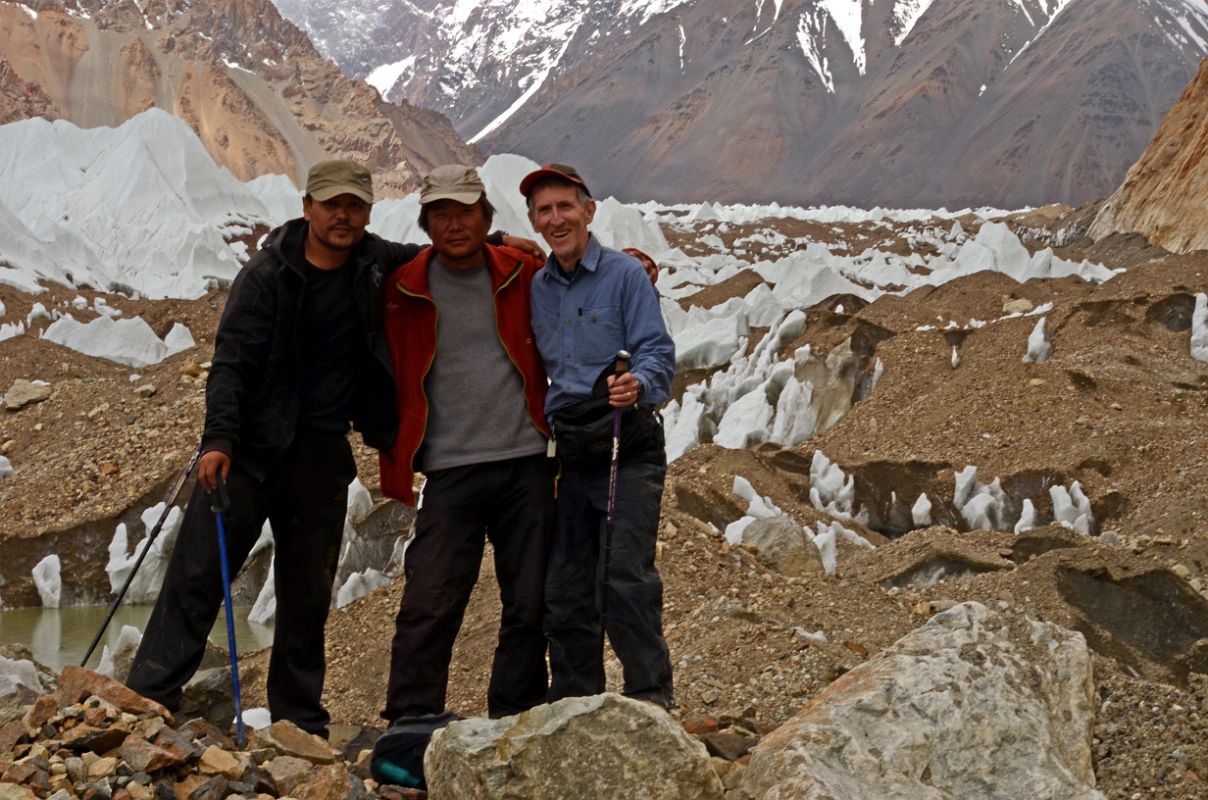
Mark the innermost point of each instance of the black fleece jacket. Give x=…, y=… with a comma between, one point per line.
x=252, y=395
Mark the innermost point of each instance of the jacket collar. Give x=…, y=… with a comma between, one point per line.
x=501, y=263
x=286, y=245
x=590, y=261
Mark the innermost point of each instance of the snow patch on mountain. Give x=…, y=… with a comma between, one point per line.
x=1022, y=6
x=534, y=82
x=813, y=25
x=1054, y=7
x=645, y=9
x=905, y=14
x=1187, y=27
x=759, y=5
x=385, y=76
x=848, y=16
x=1052, y=10
x=1196, y=7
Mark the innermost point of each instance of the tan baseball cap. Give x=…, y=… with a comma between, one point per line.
x=452, y=182
x=329, y=179
x=563, y=172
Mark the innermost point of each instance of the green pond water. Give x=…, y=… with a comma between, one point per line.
x=60, y=636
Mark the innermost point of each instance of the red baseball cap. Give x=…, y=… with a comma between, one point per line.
x=561, y=172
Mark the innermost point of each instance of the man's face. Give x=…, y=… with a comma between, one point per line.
x=338, y=223
x=562, y=219
x=458, y=231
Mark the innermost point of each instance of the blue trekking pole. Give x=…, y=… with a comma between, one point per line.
x=619, y=369
x=220, y=504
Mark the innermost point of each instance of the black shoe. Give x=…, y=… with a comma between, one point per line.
x=398, y=754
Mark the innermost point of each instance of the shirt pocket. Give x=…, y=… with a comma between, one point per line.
x=599, y=334
x=544, y=334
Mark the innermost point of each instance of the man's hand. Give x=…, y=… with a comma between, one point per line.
x=527, y=245
x=208, y=467
x=652, y=269
x=623, y=390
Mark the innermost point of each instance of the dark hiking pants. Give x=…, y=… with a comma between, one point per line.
x=510, y=503
x=305, y=500
x=635, y=590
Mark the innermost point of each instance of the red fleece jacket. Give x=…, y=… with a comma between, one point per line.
x=410, y=315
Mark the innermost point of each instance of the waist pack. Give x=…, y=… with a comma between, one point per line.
x=398, y=754
x=584, y=434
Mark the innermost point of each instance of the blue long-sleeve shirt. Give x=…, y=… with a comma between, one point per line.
x=582, y=319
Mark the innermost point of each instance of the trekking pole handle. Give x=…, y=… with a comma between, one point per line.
x=220, y=501
x=622, y=363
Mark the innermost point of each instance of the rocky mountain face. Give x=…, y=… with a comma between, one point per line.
x=1164, y=194
x=246, y=80
x=910, y=102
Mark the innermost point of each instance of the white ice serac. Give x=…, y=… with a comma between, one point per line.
x=1039, y=348
x=1199, y=328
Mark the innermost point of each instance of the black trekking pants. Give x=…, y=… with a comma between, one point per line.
x=510, y=503
x=573, y=587
x=305, y=500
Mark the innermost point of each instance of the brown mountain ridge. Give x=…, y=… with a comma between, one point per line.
x=250, y=84
x=1165, y=194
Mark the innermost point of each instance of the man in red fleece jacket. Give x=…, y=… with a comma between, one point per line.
x=470, y=392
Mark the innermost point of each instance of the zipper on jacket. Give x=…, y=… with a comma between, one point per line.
x=515, y=365
x=431, y=360
x=297, y=377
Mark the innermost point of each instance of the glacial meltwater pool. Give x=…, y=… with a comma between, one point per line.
x=59, y=636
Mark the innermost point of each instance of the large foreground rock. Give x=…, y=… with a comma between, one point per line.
x=973, y=704
x=581, y=747
x=288, y=739
x=20, y=685
x=77, y=683
x=782, y=544
x=23, y=393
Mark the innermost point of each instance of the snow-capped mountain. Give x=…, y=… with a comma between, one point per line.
x=1006, y=102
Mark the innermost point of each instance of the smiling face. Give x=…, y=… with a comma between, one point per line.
x=336, y=224
x=458, y=231
x=561, y=216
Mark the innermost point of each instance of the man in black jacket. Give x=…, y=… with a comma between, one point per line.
x=299, y=354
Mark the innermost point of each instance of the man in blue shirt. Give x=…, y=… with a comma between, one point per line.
x=588, y=303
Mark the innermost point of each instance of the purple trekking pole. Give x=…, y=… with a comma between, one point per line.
x=619, y=369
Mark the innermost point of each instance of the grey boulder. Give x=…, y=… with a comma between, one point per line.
x=581, y=747
x=975, y=703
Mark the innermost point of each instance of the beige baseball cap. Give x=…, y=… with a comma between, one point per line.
x=452, y=182
x=329, y=179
